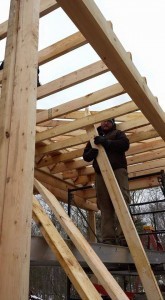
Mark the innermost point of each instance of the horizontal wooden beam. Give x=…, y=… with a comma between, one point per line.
x=134, y=149
x=84, y=138
x=131, y=160
x=157, y=163
x=135, y=184
x=93, y=119
x=143, y=183
x=59, y=158
x=143, y=135
x=71, y=79
x=146, y=156
x=148, y=172
x=147, y=167
x=93, y=98
x=60, y=48
x=45, y=8
x=3, y=30
x=62, y=144
x=145, y=146
x=75, y=164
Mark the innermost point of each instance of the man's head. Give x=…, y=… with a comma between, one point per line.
x=107, y=125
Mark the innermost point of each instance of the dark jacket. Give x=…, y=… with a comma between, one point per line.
x=117, y=144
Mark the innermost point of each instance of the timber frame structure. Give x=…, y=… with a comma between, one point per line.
x=56, y=138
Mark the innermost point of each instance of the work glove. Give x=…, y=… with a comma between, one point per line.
x=101, y=140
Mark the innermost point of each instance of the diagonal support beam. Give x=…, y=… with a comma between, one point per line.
x=85, y=14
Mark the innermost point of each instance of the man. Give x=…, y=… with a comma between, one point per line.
x=115, y=143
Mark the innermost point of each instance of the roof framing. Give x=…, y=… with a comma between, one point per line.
x=61, y=130
x=108, y=47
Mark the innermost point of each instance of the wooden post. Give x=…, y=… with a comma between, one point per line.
x=92, y=223
x=138, y=254
x=17, y=146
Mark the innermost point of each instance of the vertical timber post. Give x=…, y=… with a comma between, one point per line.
x=17, y=147
x=92, y=223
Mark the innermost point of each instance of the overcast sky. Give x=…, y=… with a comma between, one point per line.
x=139, y=25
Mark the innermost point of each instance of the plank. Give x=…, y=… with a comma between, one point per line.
x=57, y=49
x=71, y=79
x=134, y=149
x=47, y=6
x=84, y=138
x=156, y=163
x=75, y=164
x=148, y=172
x=93, y=98
x=144, y=183
x=147, y=156
x=147, y=165
x=59, y=158
x=78, y=164
x=62, y=145
x=81, y=123
x=144, y=147
x=143, y=135
x=60, y=48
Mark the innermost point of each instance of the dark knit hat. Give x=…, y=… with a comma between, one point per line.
x=112, y=120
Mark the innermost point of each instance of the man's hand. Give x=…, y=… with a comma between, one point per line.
x=99, y=140
x=102, y=141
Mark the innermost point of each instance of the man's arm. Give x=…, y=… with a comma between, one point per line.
x=89, y=153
